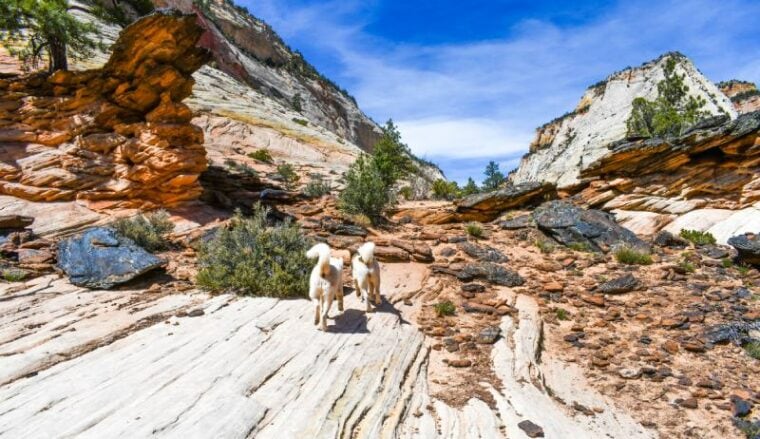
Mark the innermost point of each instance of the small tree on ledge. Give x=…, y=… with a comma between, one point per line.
x=671, y=113
x=31, y=29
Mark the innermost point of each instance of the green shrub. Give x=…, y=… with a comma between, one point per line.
x=671, y=113
x=686, y=266
x=579, y=246
x=289, y=175
x=261, y=155
x=406, y=192
x=445, y=308
x=317, y=187
x=474, y=229
x=727, y=263
x=296, y=102
x=632, y=256
x=365, y=192
x=742, y=269
x=302, y=122
x=697, y=238
x=445, y=190
x=146, y=230
x=544, y=245
x=753, y=349
x=562, y=314
x=470, y=188
x=252, y=259
x=14, y=275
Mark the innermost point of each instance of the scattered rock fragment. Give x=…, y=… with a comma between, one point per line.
x=619, y=285
x=483, y=253
x=489, y=335
x=531, y=429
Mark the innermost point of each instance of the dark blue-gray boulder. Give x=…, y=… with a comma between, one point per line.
x=589, y=228
x=748, y=247
x=101, y=258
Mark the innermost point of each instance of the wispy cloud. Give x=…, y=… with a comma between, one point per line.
x=475, y=101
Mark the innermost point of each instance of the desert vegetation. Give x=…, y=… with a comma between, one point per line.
x=149, y=230
x=251, y=258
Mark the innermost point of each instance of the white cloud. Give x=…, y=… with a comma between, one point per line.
x=483, y=99
x=462, y=138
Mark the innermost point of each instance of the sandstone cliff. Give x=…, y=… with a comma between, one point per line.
x=120, y=133
x=744, y=95
x=566, y=146
x=257, y=93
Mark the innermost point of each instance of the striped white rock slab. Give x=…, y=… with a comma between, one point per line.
x=79, y=363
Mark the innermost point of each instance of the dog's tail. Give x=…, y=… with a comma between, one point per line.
x=321, y=251
x=367, y=252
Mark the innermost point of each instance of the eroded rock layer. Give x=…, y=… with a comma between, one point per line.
x=699, y=181
x=120, y=133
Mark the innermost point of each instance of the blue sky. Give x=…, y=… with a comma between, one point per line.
x=468, y=82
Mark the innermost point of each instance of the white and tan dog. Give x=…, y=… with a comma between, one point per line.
x=325, y=283
x=366, y=274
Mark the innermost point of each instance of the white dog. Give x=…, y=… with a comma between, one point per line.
x=325, y=283
x=366, y=273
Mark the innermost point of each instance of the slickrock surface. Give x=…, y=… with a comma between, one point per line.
x=136, y=363
x=120, y=133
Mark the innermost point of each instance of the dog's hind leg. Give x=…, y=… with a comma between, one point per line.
x=326, y=305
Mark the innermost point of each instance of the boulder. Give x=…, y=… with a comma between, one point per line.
x=483, y=253
x=667, y=239
x=620, y=285
x=493, y=273
x=520, y=222
x=589, y=228
x=101, y=258
x=488, y=206
x=748, y=246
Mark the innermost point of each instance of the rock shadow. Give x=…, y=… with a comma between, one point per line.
x=350, y=321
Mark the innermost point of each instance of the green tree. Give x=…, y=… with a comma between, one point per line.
x=445, y=190
x=365, y=193
x=31, y=29
x=494, y=178
x=392, y=157
x=671, y=113
x=470, y=188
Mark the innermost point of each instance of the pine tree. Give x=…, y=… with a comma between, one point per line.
x=494, y=178
x=470, y=188
x=32, y=29
x=391, y=156
x=671, y=113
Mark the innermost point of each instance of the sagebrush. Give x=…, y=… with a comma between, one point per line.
x=148, y=230
x=251, y=258
x=632, y=256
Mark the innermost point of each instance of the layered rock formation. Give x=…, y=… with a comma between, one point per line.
x=259, y=94
x=743, y=94
x=568, y=145
x=119, y=134
x=707, y=179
